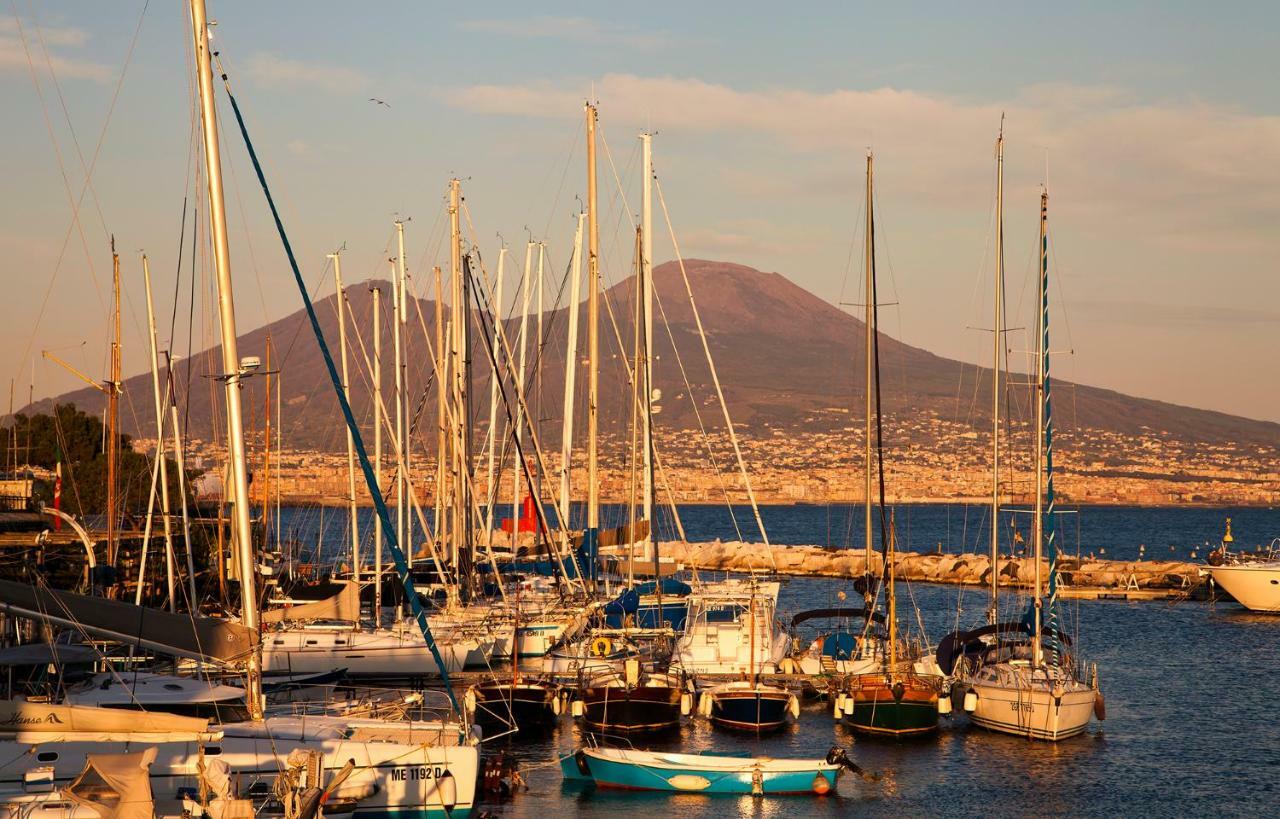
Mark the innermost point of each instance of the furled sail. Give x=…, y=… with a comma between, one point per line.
x=24, y=717
x=345, y=606
x=179, y=635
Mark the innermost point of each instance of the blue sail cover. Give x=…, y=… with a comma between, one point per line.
x=841, y=646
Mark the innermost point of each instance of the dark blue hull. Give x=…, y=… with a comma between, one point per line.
x=755, y=711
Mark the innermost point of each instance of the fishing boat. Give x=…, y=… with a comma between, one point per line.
x=696, y=773
x=895, y=696
x=750, y=704
x=732, y=629
x=1034, y=686
x=636, y=701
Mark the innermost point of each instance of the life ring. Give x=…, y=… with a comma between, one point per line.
x=601, y=647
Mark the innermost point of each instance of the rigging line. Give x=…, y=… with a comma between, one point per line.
x=724, y=406
x=389, y=536
x=697, y=414
x=76, y=204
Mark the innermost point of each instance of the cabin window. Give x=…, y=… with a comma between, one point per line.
x=213, y=750
x=340, y=642
x=311, y=642
x=47, y=756
x=172, y=687
x=277, y=642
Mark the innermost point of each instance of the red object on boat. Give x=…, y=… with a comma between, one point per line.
x=528, y=517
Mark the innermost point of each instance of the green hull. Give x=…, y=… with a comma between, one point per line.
x=893, y=718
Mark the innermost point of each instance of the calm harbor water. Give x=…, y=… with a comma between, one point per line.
x=1189, y=688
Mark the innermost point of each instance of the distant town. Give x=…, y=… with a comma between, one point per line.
x=927, y=460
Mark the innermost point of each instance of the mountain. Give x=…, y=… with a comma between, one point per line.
x=785, y=357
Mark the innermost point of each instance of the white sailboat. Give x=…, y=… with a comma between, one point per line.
x=1032, y=687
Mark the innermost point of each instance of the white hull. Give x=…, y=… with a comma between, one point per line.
x=1256, y=586
x=380, y=653
x=394, y=779
x=1010, y=703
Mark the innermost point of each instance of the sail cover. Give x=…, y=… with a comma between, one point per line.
x=116, y=786
x=345, y=605
x=23, y=717
x=179, y=635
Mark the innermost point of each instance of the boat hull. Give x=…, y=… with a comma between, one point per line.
x=752, y=711
x=1254, y=586
x=642, y=709
x=681, y=773
x=1034, y=713
x=530, y=706
x=907, y=708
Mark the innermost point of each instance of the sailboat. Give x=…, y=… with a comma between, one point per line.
x=1027, y=681
x=894, y=698
x=423, y=768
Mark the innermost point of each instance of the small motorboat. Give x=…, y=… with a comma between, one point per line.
x=749, y=706
x=696, y=773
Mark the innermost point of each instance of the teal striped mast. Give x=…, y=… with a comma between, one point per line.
x=1045, y=532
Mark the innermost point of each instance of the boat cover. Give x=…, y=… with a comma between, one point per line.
x=345, y=605
x=179, y=635
x=116, y=786
x=21, y=716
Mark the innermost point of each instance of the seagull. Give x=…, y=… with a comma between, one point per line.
x=378, y=101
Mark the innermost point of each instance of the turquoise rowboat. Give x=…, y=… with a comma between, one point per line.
x=695, y=773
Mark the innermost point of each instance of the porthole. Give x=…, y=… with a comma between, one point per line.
x=47, y=756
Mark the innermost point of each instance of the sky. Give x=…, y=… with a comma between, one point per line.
x=1155, y=125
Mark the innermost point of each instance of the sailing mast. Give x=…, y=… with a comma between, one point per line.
x=522, y=341
x=645, y=371
x=442, y=397
x=591, y=536
x=870, y=323
x=490, y=485
x=113, y=415
x=570, y=372
x=379, y=416
x=230, y=352
x=998, y=342
x=398, y=319
x=346, y=390
x=1037, y=647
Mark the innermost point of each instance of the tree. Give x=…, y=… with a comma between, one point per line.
x=77, y=440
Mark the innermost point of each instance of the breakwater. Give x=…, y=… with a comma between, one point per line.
x=1084, y=576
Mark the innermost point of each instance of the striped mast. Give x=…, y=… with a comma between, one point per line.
x=1044, y=511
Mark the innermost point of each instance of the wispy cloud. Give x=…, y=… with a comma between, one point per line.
x=274, y=70
x=574, y=29
x=1165, y=315
x=1153, y=165
x=45, y=47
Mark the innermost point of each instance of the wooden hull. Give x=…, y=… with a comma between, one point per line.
x=610, y=709
x=530, y=706
x=904, y=707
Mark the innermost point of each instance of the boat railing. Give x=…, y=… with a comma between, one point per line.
x=367, y=702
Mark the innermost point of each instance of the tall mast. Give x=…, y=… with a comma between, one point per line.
x=570, y=373
x=1042, y=324
x=490, y=486
x=522, y=341
x=379, y=417
x=870, y=323
x=462, y=528
x=590, y=540
x=346, y=390
x=113, y=415
x=160, y=454
x=442, y=443
x=230, y=351
x=266, y=450
x=646, y=278
x=402, y=445
x=996, y=349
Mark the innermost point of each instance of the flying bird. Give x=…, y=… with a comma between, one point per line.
x=379, y=102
